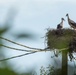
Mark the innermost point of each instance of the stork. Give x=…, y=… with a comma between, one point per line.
x=71, y=22
x=60, y=26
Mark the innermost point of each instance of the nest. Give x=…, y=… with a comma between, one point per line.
x=62, y=38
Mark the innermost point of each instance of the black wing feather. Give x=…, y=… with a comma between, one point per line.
x=74, y=24
x=59, y=26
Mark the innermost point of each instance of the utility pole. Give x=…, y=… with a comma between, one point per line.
x=64, y=63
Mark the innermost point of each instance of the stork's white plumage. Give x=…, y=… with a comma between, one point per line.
x=60, y=26
x=71, y=22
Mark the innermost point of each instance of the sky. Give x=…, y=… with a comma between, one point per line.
x=35, y=16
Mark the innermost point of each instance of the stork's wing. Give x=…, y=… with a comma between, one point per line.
x=71, y=21
x=59, y=26
x=74, y=24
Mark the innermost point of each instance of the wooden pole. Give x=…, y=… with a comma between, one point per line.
x=64, y=63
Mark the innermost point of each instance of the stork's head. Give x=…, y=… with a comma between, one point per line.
x=67, y=14
x=62, y=19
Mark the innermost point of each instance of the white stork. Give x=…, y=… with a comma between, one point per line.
x=60, y=26
x=71, y=22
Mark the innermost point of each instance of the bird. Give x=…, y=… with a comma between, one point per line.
x=60, y=26
x=71, y=22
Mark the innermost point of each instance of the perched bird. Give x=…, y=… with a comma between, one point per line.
x=71, y=22
x=60, y=26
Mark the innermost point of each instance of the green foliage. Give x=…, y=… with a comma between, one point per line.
x=6, y=71
x=50, y=71
x=3, y=30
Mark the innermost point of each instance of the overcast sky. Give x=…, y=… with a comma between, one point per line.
x=36, y=16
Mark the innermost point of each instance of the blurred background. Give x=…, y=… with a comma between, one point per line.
x=26, y=22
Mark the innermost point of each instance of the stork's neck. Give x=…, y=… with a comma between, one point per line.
x=68, y=17
x=61, y=23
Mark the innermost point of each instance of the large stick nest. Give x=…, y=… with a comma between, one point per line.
x=61, y=38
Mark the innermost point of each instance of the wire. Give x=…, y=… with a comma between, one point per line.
x=17, y=56
x=17, y=48
x=19, y=44
x=30, y=51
